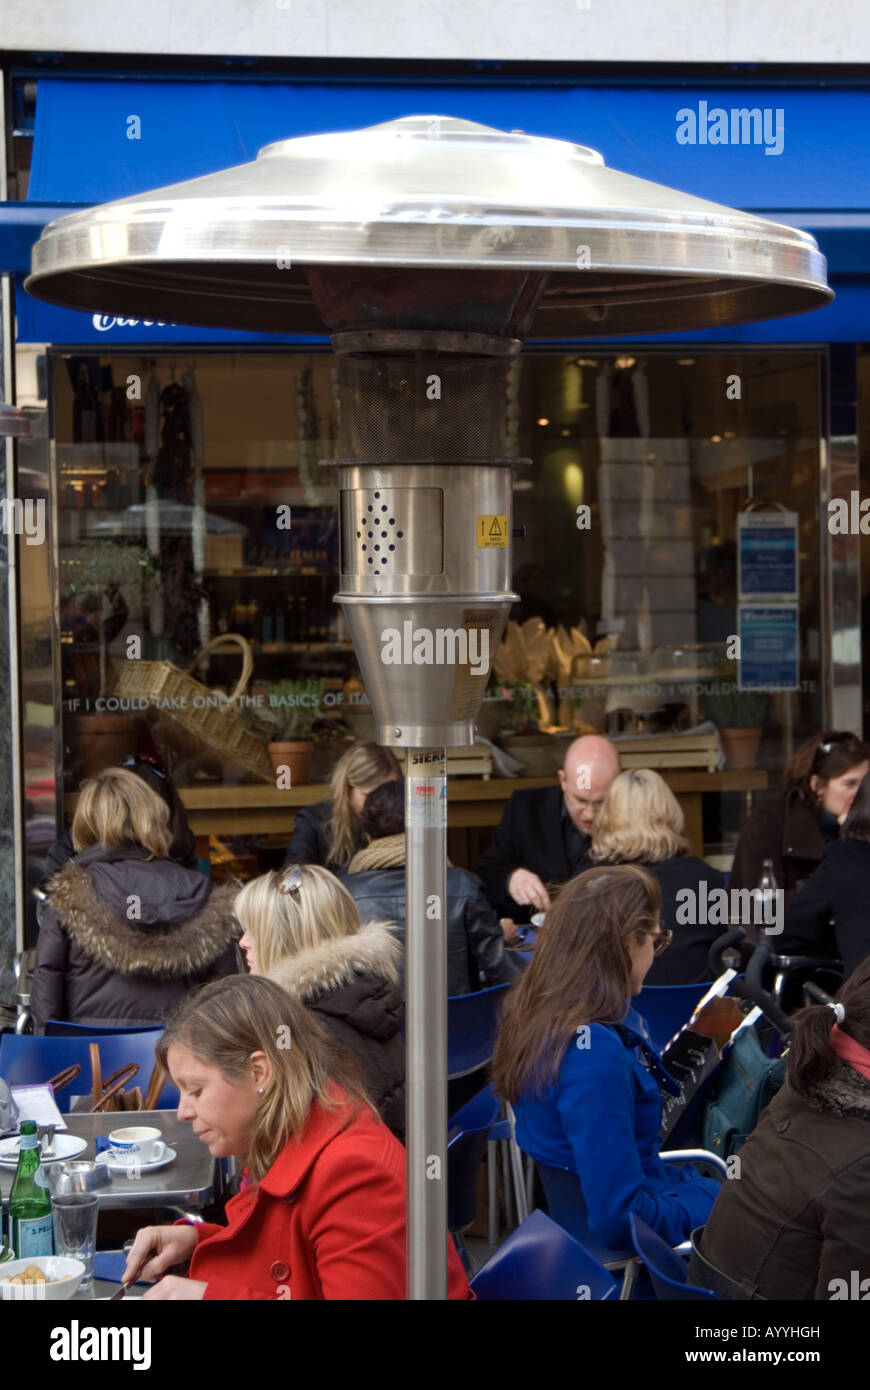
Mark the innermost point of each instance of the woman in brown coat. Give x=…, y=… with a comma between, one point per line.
x=793, y=826
x=796, y=1225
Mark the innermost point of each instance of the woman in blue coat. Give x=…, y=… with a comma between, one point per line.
x=575, y=1061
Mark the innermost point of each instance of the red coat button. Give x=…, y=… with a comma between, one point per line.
x=279, y=1270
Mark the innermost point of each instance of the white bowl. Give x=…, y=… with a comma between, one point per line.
x=67, y=1272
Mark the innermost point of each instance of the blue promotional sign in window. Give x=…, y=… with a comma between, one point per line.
x=769, y=647
x=767, y=556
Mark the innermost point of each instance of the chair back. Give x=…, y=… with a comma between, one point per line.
x=539, y=1261
x=567, y=1205
x=59, y=1028
x=472, y=1024
x=665, y=1008
x=665, y=1267
x=26, y=1059
x=467, y=1137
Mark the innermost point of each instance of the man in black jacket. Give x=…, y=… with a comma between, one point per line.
x=544, y=834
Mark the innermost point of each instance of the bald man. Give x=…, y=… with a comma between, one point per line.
x=544, y=834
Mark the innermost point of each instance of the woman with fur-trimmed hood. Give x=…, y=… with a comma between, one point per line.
x=303, y=930
x=126, y=931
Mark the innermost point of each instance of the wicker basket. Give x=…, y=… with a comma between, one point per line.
x=217, y=726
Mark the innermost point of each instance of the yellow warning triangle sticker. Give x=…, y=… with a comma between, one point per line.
x=495, y=529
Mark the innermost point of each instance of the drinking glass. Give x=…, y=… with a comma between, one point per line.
x=75, y=1229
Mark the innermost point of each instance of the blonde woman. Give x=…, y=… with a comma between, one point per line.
x=126, y=931
x=303, y=930
x=330, y=832
x=641, y=823
x=322, y=1215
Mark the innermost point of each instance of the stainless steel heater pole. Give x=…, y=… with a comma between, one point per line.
x=426, y=993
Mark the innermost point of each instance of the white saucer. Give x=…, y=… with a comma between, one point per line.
x=106, y=1157
x=65, y=1146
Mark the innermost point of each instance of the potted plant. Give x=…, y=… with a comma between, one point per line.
x=293, y=706
x=739, y=716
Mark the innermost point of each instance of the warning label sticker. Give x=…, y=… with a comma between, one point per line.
x=492, y=532
x=427, y=809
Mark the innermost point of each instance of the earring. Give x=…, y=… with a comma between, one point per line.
x=261, y=1090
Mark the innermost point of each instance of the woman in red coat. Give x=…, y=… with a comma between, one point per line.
x=323, y=1215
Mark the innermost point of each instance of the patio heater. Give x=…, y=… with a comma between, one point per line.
x=429, y=248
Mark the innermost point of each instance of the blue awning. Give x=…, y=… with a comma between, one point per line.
x=801, y=159
x=100, y=139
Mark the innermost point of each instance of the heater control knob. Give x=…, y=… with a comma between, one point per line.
x=518, y=533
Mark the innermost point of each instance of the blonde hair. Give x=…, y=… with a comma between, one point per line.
x=117, y=809
x=224, y=1023
x=363, y=765
x=283, y=924
x=641, y=819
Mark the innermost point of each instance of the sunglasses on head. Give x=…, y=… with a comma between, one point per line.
x=291, y=882
x=135, y=760
x=837, y=741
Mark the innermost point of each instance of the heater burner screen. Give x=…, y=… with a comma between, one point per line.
x=426, y=410
x=392, y=531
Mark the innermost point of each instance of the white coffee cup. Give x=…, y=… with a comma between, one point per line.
x=136, y=1144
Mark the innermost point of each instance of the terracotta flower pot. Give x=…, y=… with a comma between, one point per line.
x=296, y=756
x=102, y=740
x=740, y=746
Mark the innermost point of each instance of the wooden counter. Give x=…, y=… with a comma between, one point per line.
x=472, y=804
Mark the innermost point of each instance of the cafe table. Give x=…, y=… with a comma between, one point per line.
x=188, y=1182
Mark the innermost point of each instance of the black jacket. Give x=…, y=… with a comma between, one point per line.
x=685, y=960
x=830, y=916
x=798, y=1218
x=475, y=941
x=96, y=964
x=784, y=829
x=352, y=985
x=310, y=843
x=536, y=833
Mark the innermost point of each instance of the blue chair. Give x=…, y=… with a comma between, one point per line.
x=467, y=1138
x=472, y=1024
x=665, y=1008
x=539, y=1261
x=29, y=1060
x=665, y=1267
x=567, y=1206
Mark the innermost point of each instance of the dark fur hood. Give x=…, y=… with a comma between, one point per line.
x=162, y=949
x=843, y=1090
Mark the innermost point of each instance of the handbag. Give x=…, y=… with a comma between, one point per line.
x=748, y=1082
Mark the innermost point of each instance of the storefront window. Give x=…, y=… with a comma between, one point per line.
x=194, y=523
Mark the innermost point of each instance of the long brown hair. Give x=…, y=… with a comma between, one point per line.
x=363, y=765
x=224, y=1022
x=811, y=1056
x=580, y=973
x=825, y=755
